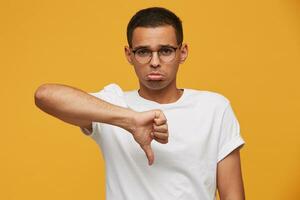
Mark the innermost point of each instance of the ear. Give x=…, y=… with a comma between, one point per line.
x=128, y=54
x=183, y=53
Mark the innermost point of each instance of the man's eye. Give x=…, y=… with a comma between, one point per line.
x=143, y=52
x=166, y=51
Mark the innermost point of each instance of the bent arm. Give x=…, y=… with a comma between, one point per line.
x=229, y=177
x=79, y=108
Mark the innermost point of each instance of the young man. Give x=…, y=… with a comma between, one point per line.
x=191, y=138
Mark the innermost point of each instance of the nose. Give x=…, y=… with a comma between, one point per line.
x=154, y=60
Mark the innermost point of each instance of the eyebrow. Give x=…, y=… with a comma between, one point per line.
x=148, y=47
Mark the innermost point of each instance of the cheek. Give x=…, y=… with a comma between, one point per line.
x=172, y=69
x=139, y=70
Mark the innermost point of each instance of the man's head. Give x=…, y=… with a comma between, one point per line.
x=155, y=46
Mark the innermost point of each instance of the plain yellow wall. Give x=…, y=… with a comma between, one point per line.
x=249, y=51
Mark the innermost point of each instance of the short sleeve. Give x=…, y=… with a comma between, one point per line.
x=90, y=133
x=111, y=93
x=230, y=137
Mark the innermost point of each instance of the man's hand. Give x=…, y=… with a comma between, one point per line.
x=150, y=125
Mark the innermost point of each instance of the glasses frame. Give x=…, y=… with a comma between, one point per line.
x=169, y=46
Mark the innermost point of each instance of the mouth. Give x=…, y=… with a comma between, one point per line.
x=155, y=76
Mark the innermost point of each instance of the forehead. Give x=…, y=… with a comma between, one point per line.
x=154, y=36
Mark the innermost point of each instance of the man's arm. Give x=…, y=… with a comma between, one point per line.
x=229, y=177
x=79, y=108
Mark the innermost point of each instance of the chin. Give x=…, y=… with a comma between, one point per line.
x=155, y=85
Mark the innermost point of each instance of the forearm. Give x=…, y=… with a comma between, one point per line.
x=66, y=102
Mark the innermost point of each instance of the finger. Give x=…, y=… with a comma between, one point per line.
x=162, y=128
x=157, y=113
x=149, y=153
x=152, y=135
x=160, y=121
x=161, y=141
x=159, y=135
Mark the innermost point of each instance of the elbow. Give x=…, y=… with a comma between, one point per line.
x=41, y=94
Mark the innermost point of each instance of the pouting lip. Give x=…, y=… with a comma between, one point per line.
x=155, y=73
x=160, y=76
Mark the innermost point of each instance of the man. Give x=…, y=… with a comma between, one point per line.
x=191, y=138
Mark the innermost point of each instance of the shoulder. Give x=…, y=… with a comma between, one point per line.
x=209, y=98
x=112, y=93
x=111, y=88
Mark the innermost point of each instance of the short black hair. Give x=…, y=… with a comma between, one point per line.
x=154, y=17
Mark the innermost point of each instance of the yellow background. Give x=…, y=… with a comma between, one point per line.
x=249, y=51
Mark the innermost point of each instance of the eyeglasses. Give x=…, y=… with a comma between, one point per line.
x=166, y=54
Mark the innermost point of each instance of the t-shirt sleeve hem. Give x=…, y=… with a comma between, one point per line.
x=235, y=143
x=87, y=132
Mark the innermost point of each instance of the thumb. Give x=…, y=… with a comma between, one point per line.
x=149, y=153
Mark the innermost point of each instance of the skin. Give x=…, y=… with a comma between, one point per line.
x=229, y=177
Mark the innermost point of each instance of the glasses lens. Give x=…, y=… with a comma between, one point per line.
x=143, y=55
x=166, y=54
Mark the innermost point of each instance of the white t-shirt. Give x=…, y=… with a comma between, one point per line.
x=202, y=129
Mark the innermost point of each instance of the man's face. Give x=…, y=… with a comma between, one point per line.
x=153, y=39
